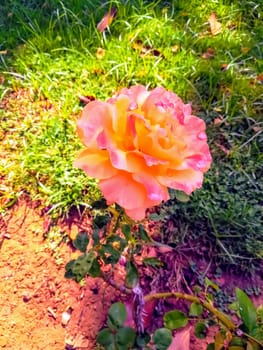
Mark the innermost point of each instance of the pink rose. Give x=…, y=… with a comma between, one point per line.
x=139, y=143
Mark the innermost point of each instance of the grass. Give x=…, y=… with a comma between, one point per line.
x=51, y=52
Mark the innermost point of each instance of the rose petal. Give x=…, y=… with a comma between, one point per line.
x=183, y=180
x=122, y=189
x=95, y=116
x=155, y=191
x=96, y=164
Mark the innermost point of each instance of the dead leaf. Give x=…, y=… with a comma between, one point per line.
x=245, y=50
x=52, y=312
x=86, y=99
x=181, y=340
x=218, y=120
x=256, y=128
x=215, y=26
x=145, y=50
x=208, y=54
x=259, y=78
x=224, y=66
x=100, y=53
x=175, y=48
x=219, y=341
x=4, y=52
x=223, y=148
x=107, y=20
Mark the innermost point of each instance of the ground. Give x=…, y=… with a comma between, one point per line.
x=36, y=299
x=40, y=309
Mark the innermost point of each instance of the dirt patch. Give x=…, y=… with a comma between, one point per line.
x=35, y=295
x=40, y=309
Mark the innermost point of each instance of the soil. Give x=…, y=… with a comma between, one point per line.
x=36, y=299
x=39, y=308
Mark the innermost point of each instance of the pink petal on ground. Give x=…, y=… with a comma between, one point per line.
x=181, y=340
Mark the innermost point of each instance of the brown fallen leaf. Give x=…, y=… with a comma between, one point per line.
x=181, y=340
x=259, y=78
x=86, y=100
x=52, y=312
x=245, y=50
x=210, y=53
x=218, y=120
x=107, y=20
x=215, y=26
x=223, y=148
x=100, y=53
x=256, y=128
x=224, y=66
x=175, y=48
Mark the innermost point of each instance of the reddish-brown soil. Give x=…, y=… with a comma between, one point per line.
x=39, y=308
x=35, y=296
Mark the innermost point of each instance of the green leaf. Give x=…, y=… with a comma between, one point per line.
x=96, y=236
x=175, y=319
x=143, y=234
x=105, y=337
x=77, y=269
x=162, y=338
x=233, y=306
x=200, y=330
x=132, y=275
x=195, y=309
x=117, y=243
x=209, y=283
x=155, y=217
x=112, y=256
x=69, y=274
x=257, y=333
x=260, y=312
x=126, y=230
x=153, y=262
x=247, y=310
x=142, y=340
x=237, y=341
x=125, y=336
x=210, y=346
x=95, y=270
x=117, y=315
x=101, y=220
x=182, y=197
x=100, y=204
x=81, y=241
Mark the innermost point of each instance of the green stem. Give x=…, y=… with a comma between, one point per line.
x=194, y=299
x=252, y=338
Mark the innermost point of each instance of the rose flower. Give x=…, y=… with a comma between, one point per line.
x=139, y=143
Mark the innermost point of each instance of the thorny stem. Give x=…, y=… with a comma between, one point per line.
x=252, y=338
x=194, y=299
x=111, y=282
x=219, y=315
